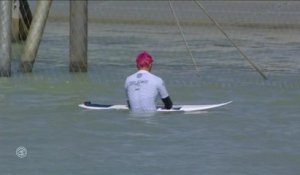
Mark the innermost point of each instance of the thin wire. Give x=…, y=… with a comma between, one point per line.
x=231, y=41
x=183, y=36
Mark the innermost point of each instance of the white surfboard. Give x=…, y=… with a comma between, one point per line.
x=176, y=108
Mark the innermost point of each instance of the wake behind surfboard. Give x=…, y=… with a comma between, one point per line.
x=176, y=108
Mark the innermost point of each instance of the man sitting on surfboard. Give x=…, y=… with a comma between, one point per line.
x=143, y=87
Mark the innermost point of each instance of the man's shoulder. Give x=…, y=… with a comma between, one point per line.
x=134, y=75
x=130, y=77
x=156, y=78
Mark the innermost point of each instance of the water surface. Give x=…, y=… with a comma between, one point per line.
x=256, y=134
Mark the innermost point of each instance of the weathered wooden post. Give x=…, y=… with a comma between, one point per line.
x=78, y=36
x=5, y=38
x=26, y=19
x=21, y=20
x=15, y=20
x=34, y=36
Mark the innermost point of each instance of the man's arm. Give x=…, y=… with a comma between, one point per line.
x=168, y=102
x=128, y=104
x=126, y=93
x=162, y=90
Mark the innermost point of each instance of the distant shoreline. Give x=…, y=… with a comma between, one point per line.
x=238, y=13
x=193, y=22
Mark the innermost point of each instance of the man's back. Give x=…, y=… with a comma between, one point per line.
x=142, y=89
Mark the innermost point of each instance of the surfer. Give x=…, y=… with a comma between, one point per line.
x=143, y=87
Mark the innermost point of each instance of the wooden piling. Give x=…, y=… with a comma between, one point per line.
x=15, y=20
x=5, y=38
x=21, y=20
x=34, y=36
x=78, y=36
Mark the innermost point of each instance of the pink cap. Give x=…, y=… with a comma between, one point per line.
x=143, y=59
